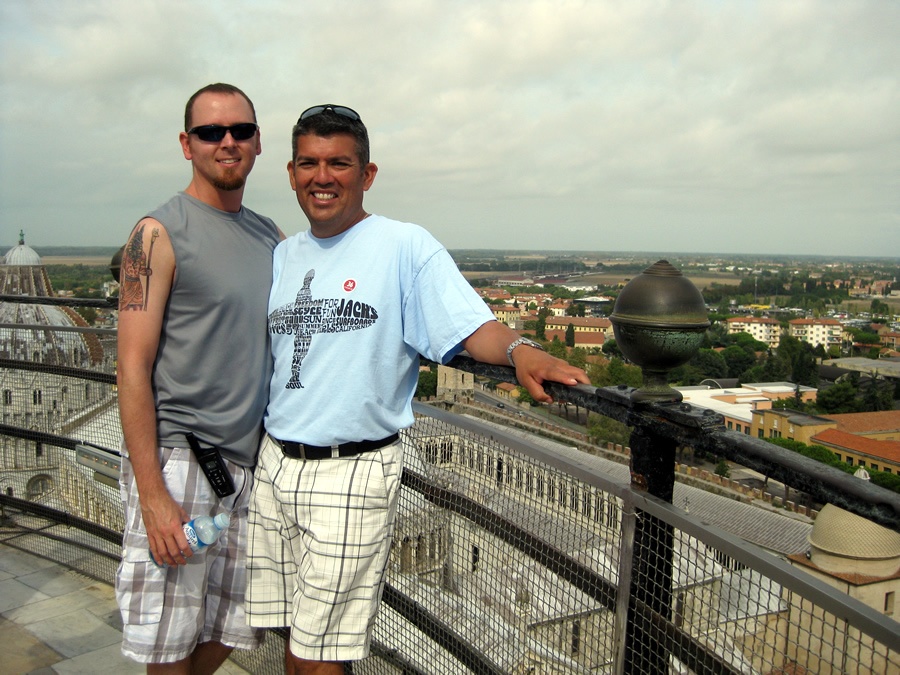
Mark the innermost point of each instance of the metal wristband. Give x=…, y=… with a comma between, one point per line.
x=517, y=342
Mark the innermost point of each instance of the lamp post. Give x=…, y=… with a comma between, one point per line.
x=659, y=320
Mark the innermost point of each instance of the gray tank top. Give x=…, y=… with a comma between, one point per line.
x=213, y=365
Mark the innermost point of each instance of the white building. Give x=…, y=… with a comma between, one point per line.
x=763, y=329
x=825, y=332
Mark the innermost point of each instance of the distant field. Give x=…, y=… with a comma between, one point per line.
x=611, y=279
x=863, y=304
x=701, y=281
x=75, y=260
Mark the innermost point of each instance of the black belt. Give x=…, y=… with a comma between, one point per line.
x=304, y=451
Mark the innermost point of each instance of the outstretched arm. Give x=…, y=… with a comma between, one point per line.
x=533, y=366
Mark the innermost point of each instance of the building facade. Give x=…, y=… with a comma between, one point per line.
x=763, y=329
x=49, y=340
x=816, y=332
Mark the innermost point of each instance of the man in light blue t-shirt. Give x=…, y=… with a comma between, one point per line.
x=354, y=301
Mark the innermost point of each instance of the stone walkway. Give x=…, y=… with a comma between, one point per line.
x=55, y=620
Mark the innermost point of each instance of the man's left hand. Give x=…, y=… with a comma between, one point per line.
x=534, y=367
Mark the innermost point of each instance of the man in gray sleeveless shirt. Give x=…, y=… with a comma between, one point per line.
x=193, y=359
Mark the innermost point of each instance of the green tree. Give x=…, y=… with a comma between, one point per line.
x=804, y=368
x=602, y=429
x=710, y=362
x=776, y=368
x=839, y=398
x=577, y=357
x=864, y=337
x=738, y=359
x=877, y=394
x=755, y=373
x=748, y=342
x=622, y=373
x=84, y=281
x=614, y=373
x=570, y=335
x=611, y=349
x=879, y=307
x=788, y=348
x=427, y=386
x=716, y=335
x=722, y=469
x=89, y=314
x=525, y=397
x=686, y=375
x=556, y=348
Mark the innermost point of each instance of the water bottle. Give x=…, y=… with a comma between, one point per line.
x=203, y=531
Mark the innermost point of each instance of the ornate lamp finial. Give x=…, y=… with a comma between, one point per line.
x=659, y=320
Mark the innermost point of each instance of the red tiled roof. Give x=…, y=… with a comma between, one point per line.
x=594, y=322
x=751, y=319
x=814, y=322
x=868, y=422
x=582, y=339
x=887, y=450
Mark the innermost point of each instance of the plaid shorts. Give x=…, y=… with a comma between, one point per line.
x=320, y=535
x=167, y=611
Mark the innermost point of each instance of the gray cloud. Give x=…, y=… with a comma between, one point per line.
x=685, y=126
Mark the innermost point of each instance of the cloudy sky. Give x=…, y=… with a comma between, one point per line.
x=717, y=126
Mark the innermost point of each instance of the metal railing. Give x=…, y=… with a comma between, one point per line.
x=512, y=553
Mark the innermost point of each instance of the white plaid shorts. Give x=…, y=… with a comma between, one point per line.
x=320, y=535
x=167, y=611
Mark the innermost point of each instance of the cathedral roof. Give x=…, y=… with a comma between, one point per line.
x=22, y=254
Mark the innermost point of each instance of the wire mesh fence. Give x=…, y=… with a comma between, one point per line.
x=511, y=553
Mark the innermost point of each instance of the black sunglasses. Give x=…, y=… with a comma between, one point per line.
x=344, y=111
x=213, y=133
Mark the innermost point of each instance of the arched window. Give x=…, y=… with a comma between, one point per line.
x=38, y=486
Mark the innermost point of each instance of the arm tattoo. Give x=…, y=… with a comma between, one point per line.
x=136, y=272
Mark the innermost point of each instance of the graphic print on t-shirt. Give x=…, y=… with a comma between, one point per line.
x=306, y=317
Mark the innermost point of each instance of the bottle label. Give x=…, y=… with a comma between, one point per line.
x=193, y=539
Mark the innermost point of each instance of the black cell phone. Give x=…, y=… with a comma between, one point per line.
x=213, y=467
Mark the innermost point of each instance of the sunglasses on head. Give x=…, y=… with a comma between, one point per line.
x=344, y=111
x=213, y=133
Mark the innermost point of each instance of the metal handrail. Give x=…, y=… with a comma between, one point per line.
x=691, y=426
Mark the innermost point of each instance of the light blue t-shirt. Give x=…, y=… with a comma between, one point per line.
x=348, y=316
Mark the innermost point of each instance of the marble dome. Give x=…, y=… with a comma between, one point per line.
x=22, y=254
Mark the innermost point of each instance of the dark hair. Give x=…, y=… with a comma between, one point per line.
x=218, y=88
x=329, y=123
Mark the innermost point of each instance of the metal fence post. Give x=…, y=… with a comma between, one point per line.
x=653, y=471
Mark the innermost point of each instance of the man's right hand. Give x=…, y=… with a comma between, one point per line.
x=163, y=521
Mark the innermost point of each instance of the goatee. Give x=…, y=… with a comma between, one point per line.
x=229, y=184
